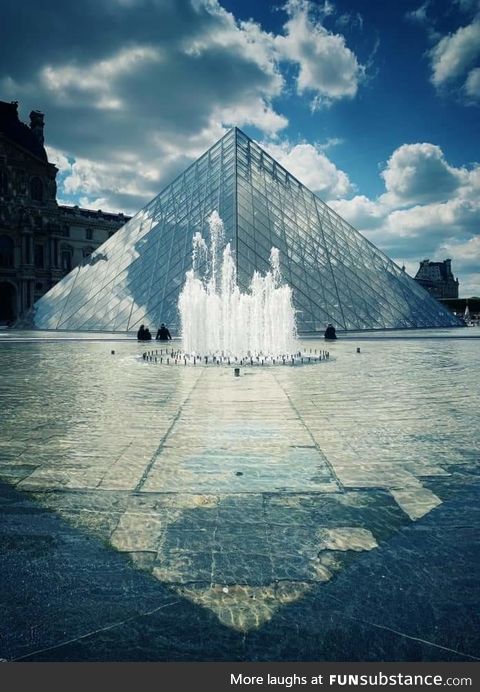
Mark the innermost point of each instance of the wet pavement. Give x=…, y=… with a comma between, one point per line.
x=318, y=512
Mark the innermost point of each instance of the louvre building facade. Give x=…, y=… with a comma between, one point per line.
x=40, y=240
x=336, y=274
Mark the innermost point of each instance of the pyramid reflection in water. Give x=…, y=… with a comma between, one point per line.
x=336, y=274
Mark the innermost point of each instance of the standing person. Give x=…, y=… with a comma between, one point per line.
x=163, y=334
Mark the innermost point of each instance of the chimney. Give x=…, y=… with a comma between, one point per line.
x=36, y=125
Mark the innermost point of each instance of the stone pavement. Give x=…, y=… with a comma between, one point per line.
x=243, y=497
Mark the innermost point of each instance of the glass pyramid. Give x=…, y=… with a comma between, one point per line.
x=336, y=274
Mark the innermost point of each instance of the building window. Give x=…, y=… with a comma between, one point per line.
x=26, y=245
x=36, y=189
x=7, y=251
x=3, y=182
x=22, y=185
x=39, y=258
x=89, y=234
x=67, y=254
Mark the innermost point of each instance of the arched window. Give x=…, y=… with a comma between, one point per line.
x=36, y=189
x=7, y=251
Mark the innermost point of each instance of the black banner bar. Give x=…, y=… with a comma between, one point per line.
x=228, y=677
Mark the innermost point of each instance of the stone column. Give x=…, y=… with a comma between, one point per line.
x=23, y=295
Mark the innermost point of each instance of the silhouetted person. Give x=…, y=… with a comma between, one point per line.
x=143, y=334
x=163, y=334
x=330, y=332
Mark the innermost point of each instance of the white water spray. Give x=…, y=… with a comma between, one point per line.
x=218, y=319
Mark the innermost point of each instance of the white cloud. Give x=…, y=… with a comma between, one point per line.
x=350, y=19
x=99, y=78
x=331, y=142
x=307, y=163
x=455, y=54
x=452, y=57
x=130, y=103
x=419, y=15
x=360, y=211
x=429, y=209
x=420, y=220
x=327, y=9
x=133, y=115
x=472, y=84
x=100, y=203
x=327, y=68
x=90, y=179
x=257, y=113
x=419, y=173
x=469, y=284
x=468, y=251
x=59, y=159
x=466, y=254
x=242, y=41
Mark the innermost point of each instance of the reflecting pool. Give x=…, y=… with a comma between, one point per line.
x=314, y=512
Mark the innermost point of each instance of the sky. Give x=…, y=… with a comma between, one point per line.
x=374, y=105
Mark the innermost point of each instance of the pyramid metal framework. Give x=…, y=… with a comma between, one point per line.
x=336, y=274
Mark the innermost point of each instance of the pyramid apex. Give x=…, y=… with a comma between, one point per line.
x=236, y=129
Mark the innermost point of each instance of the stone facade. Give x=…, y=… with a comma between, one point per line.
x=40, y=241
x=437, y=278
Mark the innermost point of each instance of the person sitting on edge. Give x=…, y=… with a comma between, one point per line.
x=163, y=334
x=143, y=334
x=330, y=332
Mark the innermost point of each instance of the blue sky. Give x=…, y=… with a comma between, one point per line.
x=374, y=105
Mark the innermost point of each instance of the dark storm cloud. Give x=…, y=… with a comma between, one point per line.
x=58, y=31
x=135, y=89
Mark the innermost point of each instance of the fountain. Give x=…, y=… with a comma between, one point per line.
x=220, y=324
x=219, y=320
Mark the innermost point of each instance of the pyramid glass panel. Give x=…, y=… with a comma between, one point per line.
x=336, y=274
